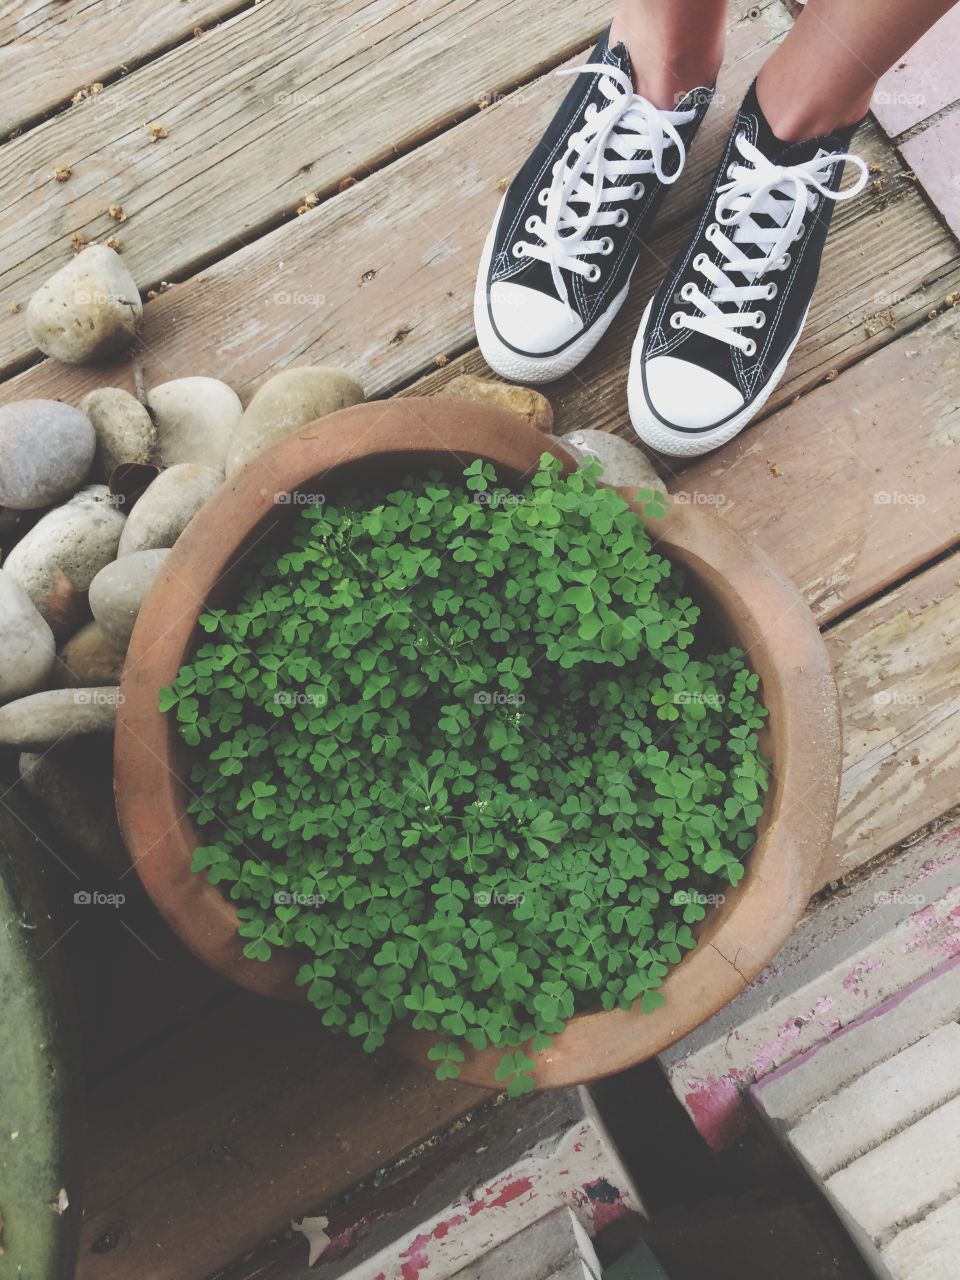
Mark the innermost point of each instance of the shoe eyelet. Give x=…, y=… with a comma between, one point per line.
x=759, y=319
x=593, y=273
x=686, y=293
x=622, y=218
x=800, y=231
x=750, y=349
x=784, y=262
x=772, y=292
x=637, y=192
x=730, y=170
x=676, y=320
x=606, y=245
x=710, y=232
x=543, y=196
x=519, y=249
x=700, y=261
x=531, y=223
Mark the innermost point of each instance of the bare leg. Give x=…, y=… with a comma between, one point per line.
x=674, y=45
x=824, y=73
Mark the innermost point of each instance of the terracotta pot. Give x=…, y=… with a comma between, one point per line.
x=746, y=598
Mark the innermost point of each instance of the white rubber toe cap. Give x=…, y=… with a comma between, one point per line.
x=684, y=395
x=530, y=320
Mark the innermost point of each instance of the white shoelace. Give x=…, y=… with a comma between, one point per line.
x=630, y=127
x=785, y=193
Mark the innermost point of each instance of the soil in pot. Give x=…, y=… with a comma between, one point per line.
x=470, y=754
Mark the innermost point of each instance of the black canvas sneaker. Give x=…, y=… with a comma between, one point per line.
x=716, y=337
x=558, y=260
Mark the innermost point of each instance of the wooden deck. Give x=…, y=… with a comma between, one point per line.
x=214, y=1118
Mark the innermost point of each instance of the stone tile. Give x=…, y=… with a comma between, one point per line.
x=934, y=156
x=925, y=80
x=929, y=1249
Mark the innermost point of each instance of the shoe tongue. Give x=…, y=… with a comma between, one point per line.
x=789, y=153
x=620, y=56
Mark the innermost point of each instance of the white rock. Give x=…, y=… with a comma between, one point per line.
x=167, y=506
x=125, y=431
x=46, y=449
x=290, y=400
x=88, y=309
x=117, y=592
x=624, y=464
x=60, y=556
x=27, y=647
x=34, y=722
x=196, y=419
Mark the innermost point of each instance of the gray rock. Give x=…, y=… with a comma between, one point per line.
x=57, y=715
x=290, y=400
x=73, y=785
x=88, y=658
x=623, y=463
x=61, y=555
x=167, y=506
x=117, y=592
x=196, y=419
x=46, y=449
x=27, y=648
x=86, y=310
x=125, y=431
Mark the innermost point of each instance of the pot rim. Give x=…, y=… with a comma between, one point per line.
x=758, y=604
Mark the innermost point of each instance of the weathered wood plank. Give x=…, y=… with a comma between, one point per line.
x=282, y=100
x=897, y=663
x=247, y=1117
x=854, y=485
x=49, y=49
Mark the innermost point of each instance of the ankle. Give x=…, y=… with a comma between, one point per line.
x=664, y=70
x=794, y=116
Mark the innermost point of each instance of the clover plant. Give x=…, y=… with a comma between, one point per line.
x=463, y=750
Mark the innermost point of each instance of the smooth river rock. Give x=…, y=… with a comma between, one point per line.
x=117, y=592
x=88, y=309
x=88, y=658
x=167, y=507
x=46, y=449
x=124, y=430
x=196, y=419
x=27, y=648
x=290, y=400
x=73, y=784
x=61, y=555
x=57, y=715
x=623, y=464
x=535, y=409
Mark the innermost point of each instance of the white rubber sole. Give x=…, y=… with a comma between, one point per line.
x=680, y=444
x=515, y=366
